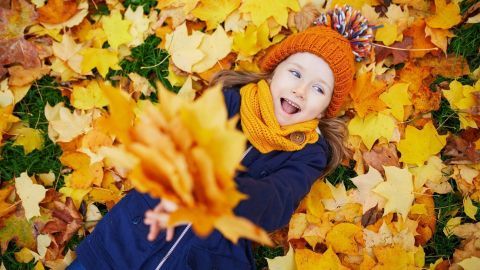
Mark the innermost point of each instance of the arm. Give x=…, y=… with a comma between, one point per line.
x=273, y=199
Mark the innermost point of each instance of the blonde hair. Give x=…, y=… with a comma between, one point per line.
x=333, y=129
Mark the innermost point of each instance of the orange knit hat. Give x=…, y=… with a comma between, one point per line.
x=326, y=43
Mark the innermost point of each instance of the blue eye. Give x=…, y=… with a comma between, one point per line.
x=296, y=73
x=318, y=89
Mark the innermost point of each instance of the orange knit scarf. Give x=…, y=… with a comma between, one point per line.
x=261, y=127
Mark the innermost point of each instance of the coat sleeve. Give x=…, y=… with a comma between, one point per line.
x=273, y=199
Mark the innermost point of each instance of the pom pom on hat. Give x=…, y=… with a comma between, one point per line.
x=335, y=38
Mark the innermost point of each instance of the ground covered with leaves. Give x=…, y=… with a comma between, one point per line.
x=407, y=199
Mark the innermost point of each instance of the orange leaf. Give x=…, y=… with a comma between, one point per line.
x=420, y=41
x=57, y=11
x=365, y=94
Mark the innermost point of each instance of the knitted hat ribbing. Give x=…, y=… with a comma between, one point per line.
x=329, y=45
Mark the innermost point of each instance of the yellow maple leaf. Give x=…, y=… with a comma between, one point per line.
x=77, y=194
x=215, y=12
x=357, y=4
x=88, y=97
x=5, y=206
x=29, y=138
x=430, y=172
x=461, y=98
x=261, y=11
x=306, y=259
x=252, y=40
x=186, y=5
x=372, y=127
x=31, y=194
x=102, y=59
x=116, y=29
x=419, y=145
x=84, y=174
x=387, y=34
x=214, y=47
x=446, y=15
x=397, y=190
x=183, y=48
x=139, y=27
x=396, y=97
x=341, y=238
x=393, y=257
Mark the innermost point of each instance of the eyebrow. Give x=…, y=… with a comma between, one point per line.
x=320, y=78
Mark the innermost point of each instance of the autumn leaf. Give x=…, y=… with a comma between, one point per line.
x=85, y=173
x=68, y=51
x=439, y=37
x=396, y=97
x=365, y=94
x=214, y=47
x=102, y=59
x=139, y=27
x=419, y=145
x=29, y=138
x=17, y=228
x=5, y=206
x=397, y=190
x=387, y=34
x=286, y=262
x=341, y=238
x=57, y=11
x=116, y=29
x=261, y=11
x=399, y=56
x=183, y=48
x=14, y=21
x=88, y=97
x=419, y=34
x=31, y=195
x=252, y=40
x=215, y=12
x=64, y=125
x=446, y=15
x=309, y=260
x=365, y=183
x=372, y=127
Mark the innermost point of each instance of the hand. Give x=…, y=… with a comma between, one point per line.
x=158, y=219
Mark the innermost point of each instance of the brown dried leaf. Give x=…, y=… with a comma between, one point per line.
x=382, y=155
x=399, y=56
x=372, y=216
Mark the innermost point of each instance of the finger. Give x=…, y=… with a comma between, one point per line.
x=170, y=206
x=170, y=233
x=154, y=231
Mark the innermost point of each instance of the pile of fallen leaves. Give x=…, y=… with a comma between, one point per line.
x=407, y=199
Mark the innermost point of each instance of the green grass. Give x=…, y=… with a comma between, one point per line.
x=31, y=110
x=446, y=119
x=343, y=174
x=466, y=44
x=442, y=246
x=148, y=61
x=147, y=4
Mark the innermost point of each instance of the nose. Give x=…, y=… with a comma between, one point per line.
x=300, y=91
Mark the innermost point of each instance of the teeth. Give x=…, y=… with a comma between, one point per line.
x=292, y=103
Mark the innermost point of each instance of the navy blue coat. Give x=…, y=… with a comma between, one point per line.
x=275, y=183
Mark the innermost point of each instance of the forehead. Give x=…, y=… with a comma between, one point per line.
x=307, y=60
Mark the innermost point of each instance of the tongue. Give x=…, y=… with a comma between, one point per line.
x=288, y=108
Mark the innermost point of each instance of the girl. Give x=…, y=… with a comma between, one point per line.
x=288, y=115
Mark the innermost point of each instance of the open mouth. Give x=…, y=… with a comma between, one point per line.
x=289, y=106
